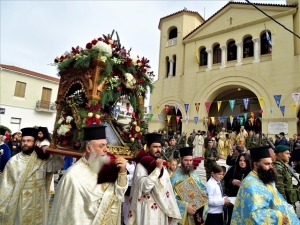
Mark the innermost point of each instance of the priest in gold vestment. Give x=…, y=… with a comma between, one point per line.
x=92, y=190
x=25, y=183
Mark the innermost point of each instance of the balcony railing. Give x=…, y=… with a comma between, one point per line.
x=45, y=106
x=172, y=42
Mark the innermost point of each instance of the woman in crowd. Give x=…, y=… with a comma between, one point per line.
x=14, y=144
x=234, y=178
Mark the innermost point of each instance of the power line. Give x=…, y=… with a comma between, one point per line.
x=273, y=19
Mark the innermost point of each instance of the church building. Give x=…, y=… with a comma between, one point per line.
x=238, y=67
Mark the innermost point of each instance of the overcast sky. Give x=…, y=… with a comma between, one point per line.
x=33, y=33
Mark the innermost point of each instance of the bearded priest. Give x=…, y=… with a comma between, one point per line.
x=92, y=190
x=189, y=215
x=24, y=186
x=258, y=201
x=152, y=199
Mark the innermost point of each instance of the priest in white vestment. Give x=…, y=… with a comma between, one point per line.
x=92, y=190
x=152, y=199
x=25, y=183
x=198, y=145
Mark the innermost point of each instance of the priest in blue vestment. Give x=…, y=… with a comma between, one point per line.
x=189, y=215
x=258, y=201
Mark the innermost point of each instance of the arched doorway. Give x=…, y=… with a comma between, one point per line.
x=224, y=116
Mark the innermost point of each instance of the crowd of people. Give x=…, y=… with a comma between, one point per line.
x=159, y=187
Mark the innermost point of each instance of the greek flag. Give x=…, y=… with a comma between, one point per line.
x=269, y=41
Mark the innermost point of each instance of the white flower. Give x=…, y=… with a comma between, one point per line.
x=120, y=61
x=77, y=56
x=130, y=80
x=115, y=78
x=103, y=48
x=103, y=58
x=129, y=77
x=63, y=129
x=115, y=59
x=60, y=120
x=134, y=59
x=69, y=119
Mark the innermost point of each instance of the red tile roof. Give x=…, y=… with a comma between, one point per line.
x=29, y=72
x=184, y=10
x=236, y=3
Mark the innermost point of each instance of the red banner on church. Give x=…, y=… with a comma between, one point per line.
x=207, y=106
x=167, y=108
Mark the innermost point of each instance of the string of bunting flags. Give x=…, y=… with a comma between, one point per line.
x=242, y=118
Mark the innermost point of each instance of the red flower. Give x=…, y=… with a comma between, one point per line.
x=89, y=45
x=75, y=50
x=140, y=81
x=94, y=41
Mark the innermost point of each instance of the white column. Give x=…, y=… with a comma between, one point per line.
x=256, y=49
x=223, y=56
x=239, y=53
x=171, y=61
x=209, y=59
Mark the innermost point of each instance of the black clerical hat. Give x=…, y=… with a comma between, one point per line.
x=43, y=129
x=2, y=131
x=94, y=132
x=187, y=151
x=153, y=138
x=29, y=131
x=260, y=152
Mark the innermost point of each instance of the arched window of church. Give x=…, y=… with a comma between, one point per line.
x=217, y=54
x=203, y=57
x=265, y=48
x=167, y=66
x=173, y=33
x=248, y=47
x=174, y=65
x=231, y=51
x=172, y=37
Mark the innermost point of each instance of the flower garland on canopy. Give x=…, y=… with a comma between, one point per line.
x=125, y=76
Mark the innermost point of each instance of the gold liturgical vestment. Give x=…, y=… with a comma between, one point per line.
x=79, y=200
x=24, y=189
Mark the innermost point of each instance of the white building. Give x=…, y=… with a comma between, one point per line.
x=27, y=98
